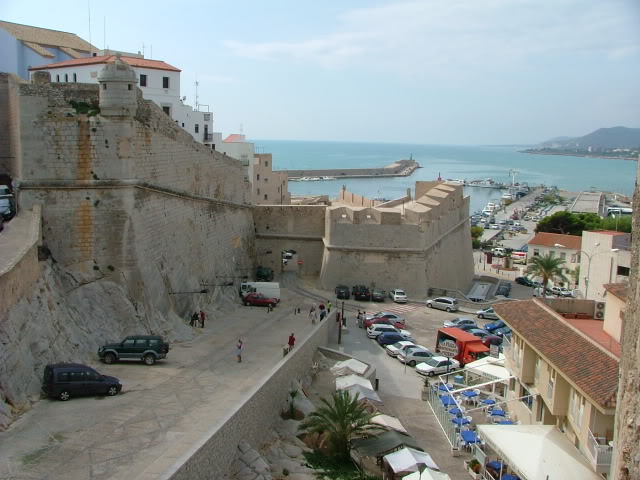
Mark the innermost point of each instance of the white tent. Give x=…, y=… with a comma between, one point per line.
x=427, y=474
x=389, y=422
x=408, y=460
x=363, y=393
x=537, y=452
x=348, y=367
x=490, y=368
x=348, y=380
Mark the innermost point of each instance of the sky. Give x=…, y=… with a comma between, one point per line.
x=428, y=72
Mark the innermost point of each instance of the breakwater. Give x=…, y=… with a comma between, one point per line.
x=401, y=168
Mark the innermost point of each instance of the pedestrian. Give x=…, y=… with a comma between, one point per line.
x=359, y=319
x=239, y=351
x=292, y=341
x=329, y=307
x=322, y=314
x=203, y=316
x=312, y=314
x=194, y=319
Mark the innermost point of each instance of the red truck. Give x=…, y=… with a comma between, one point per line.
x=470, y=347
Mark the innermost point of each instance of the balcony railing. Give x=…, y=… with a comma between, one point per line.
x=207, y=137
x=600, y=454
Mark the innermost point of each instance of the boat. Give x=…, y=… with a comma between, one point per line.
x=327, y=178
x=489, y=209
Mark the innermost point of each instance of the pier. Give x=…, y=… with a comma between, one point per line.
x=401, y=168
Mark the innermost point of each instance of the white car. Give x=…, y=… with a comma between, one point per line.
x=460, y=322
x=414, y=355
x=487, y=313
x=561, y=291
x=437, y=365
x=376, y=329
x=447, y=304
x=398, y=295
x=396, y=348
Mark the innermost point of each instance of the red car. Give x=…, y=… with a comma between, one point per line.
x=258, y=299
x=383, y=321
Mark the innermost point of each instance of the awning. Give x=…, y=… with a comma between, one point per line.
x=363, y=393
x=349, y=380
x=537, y=452
x=428, y=474
x=389, y=422
x=383, y=443
x=409, y=460
x=489, y=367
x=348, y=367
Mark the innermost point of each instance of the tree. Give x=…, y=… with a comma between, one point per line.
x=341, y=419
x=476, y=233
x=547, y=267
x=568, y=223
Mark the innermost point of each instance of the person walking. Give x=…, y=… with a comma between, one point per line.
x=292, y=341
x=203, y=316
x=359, y=318
x=329, y=307
x=239, y=351
x=194, y=319
x=312, y=314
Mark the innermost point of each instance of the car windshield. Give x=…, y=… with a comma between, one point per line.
x=4, y=202
x=431, y=362
x=399, y=292
x=398, y=345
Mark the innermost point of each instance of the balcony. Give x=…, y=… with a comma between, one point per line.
x=207, y=137
x=599, y=453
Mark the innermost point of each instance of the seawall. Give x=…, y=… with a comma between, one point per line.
x=402, y=168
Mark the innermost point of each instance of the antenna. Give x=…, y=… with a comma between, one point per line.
x=142, y=49
x=197, y=84
x=89, y=8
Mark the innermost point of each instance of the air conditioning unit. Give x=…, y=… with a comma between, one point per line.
x=599, y=313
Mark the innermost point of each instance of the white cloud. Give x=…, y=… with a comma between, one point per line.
x=433, y=33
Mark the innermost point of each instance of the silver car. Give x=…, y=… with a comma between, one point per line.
x=487, y=313
x=413, y=356
x=447, y=304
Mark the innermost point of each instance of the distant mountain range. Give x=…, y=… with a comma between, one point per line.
x=604, y=138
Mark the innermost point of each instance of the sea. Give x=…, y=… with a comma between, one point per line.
x=573, y=174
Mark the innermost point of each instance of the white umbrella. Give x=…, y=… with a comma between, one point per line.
x=409, y=460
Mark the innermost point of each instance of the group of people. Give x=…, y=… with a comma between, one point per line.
x=198, y=318
x=324, y=311
x=361, y=318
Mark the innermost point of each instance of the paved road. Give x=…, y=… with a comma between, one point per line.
x=163, y=409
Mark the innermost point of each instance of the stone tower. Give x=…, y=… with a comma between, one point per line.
x=118, y=92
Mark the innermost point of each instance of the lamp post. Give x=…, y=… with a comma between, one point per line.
x=589, y=257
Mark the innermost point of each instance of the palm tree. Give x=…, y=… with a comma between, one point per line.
x=341, y=419
x=547, y=267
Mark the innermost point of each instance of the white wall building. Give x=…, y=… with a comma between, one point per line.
x=158, y=81
x=566, y=247
x=606, y=259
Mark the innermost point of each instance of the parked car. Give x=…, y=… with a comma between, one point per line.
x=148, y=348
x=342, y=292
x=374, y=330
x=524, y=281
x=413, y=356
x=377, y=295
x=487, y=313
x=561, y=291
x=490, y=327
x=466, y=328
x=361, y=292
x=66, y=380
x=437, y=365
x=501, y=332
x=389, y=338
x=5, y=191
x=383, y=321
x=499, y=251
x=443, y=303
x=388, y=315
x=1, y=223
x=494, y=226
x=259, y=300
x=489, y=340
x=398, y=295
x=396, y=348
x=478, y=332
x=7, y=208
x=503, y=291
x=459, y=322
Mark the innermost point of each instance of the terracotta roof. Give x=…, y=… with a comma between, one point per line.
x=618, y=289
x=582, y=361
x=609, y=232
x=545, y=239
x=234, y=137
x=46, y=37
x=102, y=59
x=39, y=49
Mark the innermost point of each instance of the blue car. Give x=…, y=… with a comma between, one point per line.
x=502, y=332
x=390, y=338
x=491, y=327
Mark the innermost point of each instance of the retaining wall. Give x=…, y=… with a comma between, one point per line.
x=254, y=419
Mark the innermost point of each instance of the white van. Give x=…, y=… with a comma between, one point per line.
x=499, y=252
x=268, y=289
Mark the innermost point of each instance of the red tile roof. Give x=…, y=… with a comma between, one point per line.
x=579, y=359
x=618, y=289
x=550, y=239
x=234, y=137
x=133, y=61
x=609, y=232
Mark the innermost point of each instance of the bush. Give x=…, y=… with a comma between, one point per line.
x=476, y=243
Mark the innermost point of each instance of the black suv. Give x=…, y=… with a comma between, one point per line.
x=361, y=292
x=342, y=291
x=66, y=380
x=147, y=348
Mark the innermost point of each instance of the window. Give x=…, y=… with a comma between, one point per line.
x=129, y=343
x=165, y=82
x=57, y=78
x=258, y=191
x=552, y=381
x=104, y=86
x=266, y=180
x=574, y=258
x=563, y=255
x=141, y=342
x=167, y=110
x=182, y=124
x=76, y=376
x=153, y=342
x=265, y=197
x=552, y=253
x=512, y=384
x=143, y=80
x=536, y=252
x=93, y=376
x=576, y=408
x=197, y=128
x=540, y=411
x=266, y=163
x=129, y=87
x=527, y=399
x=623, y=271
x=75, y=77
x=258, y=176
x=63, y=377
x=66, y=77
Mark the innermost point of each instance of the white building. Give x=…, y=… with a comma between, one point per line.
x=606, y=259
x=158, y=81
x=566, y=247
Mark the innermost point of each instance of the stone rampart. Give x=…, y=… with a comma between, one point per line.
x=254, y=418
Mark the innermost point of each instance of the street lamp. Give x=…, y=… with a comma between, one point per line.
x=590, y=257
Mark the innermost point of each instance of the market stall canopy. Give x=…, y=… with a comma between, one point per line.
x=363, y=393
x=409, y=460
x=427, y=475
x=389, y=422
x=489, y=367
x=348, y=367
x=349, y=380
x=383, y=443
x=537, y=452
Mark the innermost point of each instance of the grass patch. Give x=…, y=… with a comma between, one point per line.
x=334, y=469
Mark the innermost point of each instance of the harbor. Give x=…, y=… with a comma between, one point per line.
x=401, y=168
